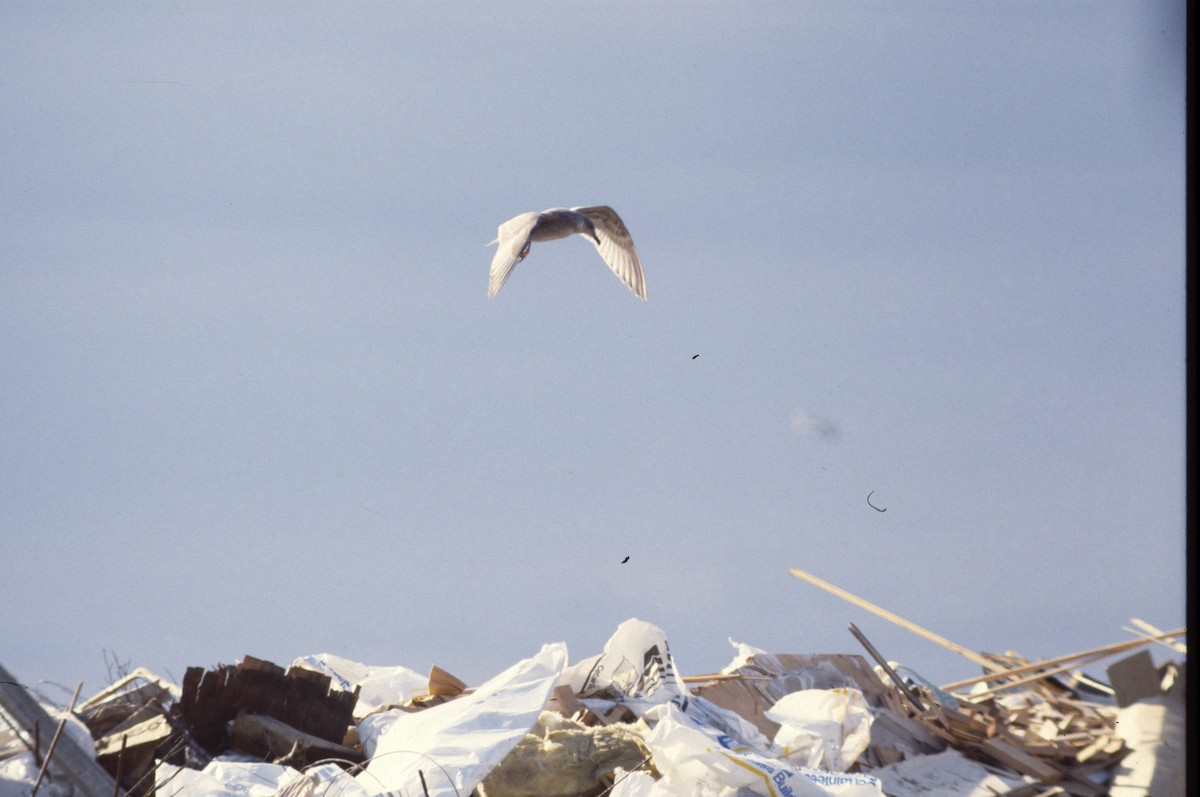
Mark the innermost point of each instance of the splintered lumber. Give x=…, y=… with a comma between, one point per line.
x=898, y=620
x=151, y=686
x=298, y=697
x=1093, y=654
x=129, y=752
x=87, y=777
x=1149, y=630
x=443, y=684
x=570, y=707
x=270, y=739
x=887, y=668
x=1017, y=759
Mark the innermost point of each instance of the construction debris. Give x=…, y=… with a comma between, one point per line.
x=621, y=723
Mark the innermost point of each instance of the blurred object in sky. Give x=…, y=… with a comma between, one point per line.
x=807, y=423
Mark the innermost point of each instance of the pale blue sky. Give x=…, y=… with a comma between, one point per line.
x=255, y=401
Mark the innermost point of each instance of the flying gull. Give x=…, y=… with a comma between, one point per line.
x=600, y=224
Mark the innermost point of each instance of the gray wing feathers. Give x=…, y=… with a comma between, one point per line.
x=616, y=247
x=512, y=237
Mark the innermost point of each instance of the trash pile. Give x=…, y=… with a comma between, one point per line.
x=623, y=723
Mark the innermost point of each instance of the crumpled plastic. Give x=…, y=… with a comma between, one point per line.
x=446, y=750
x=223, y=777
x=636, y=662
x=697, y=760
x=701, y=749
x=378, y=686
x=822, y=728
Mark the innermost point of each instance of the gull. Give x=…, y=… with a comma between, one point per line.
x=599, y=224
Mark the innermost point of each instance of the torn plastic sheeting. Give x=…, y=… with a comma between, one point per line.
x=456, y=744
x=696, y=760
x=379, y=686
x=822, y=728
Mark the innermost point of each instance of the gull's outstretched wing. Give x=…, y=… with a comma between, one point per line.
x=616, y=247
x=512, y=237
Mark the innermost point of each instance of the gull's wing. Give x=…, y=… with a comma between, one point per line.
x=616, y=247
x=512, y=237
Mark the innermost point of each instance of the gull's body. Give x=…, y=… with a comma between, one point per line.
x=599, y=224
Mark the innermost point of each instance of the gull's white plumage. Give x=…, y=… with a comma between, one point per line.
x=600, y=224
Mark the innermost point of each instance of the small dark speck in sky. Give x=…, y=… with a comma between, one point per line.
x=626, y=559
x=694, y=356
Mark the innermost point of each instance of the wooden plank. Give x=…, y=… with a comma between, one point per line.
x=1020, y=761
x=898, y=620
x=76, y=764
x=1156, y=633
x=1094, y=654
x=272, y=740
x=904, y=688
x=129, y=752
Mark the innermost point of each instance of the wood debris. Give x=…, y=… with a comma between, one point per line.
x=1019, y=724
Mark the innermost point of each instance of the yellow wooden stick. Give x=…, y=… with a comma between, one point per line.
x=900, y=621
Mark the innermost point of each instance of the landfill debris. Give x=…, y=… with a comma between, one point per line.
x=623, y=722
x=562, y=757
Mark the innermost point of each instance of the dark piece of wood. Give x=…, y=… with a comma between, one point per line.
x=904, y=688
x=268, y=738
x=1134, y=677
x=297, y=697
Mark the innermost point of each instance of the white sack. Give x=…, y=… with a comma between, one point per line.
x=822, y=728
x=696, y=760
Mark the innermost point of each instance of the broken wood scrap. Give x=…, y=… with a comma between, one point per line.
x=1157, y=635
x=129, y=753
x=150, y=687
x=443, y=684
x=1018, y=760
x=298, y=697
x=897, y=681
x=270, y=739
x=1092, y=653
x=568, y=705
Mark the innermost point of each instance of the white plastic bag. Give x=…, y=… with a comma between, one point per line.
x=223, y=778
x=697, y=760
x=822, y=728
x=635, y=663
x=447, y=749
